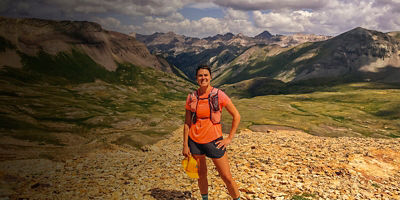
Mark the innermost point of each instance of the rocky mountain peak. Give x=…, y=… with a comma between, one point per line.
x=264, y=35
x=359, y=33
x=240, y=35
x=170, y=33
x=371, y=39
x=358, y=30
x=228, y=35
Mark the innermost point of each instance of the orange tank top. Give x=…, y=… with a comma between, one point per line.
x=204, y=131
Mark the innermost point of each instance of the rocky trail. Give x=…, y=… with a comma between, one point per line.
x=281, y=164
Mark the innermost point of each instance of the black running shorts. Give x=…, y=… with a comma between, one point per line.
x=209, y=149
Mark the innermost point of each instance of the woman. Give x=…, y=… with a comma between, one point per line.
x=203, y=134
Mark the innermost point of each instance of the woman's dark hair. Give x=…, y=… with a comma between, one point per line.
x=203, y=67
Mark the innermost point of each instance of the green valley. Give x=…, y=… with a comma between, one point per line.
x=353, y=109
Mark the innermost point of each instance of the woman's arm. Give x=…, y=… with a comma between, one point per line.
x=186, y=126
x=235, y=124
x=236, y=118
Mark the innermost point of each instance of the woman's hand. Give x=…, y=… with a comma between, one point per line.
x=223, y=143
x=186, y=151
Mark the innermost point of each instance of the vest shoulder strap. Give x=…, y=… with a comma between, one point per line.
x=194, y=94
x=214, y=91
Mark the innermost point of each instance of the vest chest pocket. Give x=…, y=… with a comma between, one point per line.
x=213, y=102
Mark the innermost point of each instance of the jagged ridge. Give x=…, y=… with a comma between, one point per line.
x=187, y=52
x=356, y=55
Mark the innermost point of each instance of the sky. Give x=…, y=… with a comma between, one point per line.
x=202, y=18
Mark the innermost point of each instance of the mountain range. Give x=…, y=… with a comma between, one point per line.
x=266, y=60
x=186, y=53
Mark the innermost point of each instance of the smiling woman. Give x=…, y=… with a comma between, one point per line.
x=203, y=132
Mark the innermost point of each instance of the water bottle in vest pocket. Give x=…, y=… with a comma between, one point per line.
x=215, y=108
x=214, y=102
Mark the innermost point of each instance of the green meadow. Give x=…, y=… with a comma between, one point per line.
x=353, y=109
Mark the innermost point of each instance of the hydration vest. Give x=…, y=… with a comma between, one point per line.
x=215, y=108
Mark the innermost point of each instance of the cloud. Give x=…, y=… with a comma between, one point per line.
x=126, y=7
x=234, y=21
x=271, y=4
x=111, y=23
x=394, y=5
x=283, y=22
x=286, y=16
x=336, y=17
x=249, y=17
x=236, y=14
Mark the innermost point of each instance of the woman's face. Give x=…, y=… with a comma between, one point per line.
x=203, y=77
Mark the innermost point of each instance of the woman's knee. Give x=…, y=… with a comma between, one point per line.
x=202, y=167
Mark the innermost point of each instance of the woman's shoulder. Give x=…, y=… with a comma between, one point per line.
x=223, y=97
x=220, y=92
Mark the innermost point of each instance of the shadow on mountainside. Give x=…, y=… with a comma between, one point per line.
x=385, y=78
x=161, y=194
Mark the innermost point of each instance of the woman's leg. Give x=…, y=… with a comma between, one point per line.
x=202, y=169
x=222, y=165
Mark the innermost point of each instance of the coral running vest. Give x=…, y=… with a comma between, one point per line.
x=215, y=107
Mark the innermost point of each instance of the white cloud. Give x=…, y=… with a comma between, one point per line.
x=108, y=22
x=234, y=21
x=111, y=23
x=336, y=17
x=271, y=4
x=236, y=14
x=283, y=22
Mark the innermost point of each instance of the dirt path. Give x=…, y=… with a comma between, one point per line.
x=274, y=165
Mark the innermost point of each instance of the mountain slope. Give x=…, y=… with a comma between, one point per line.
x=359, y=54
x=60, y=95
x=248, y=59
x=31, y=36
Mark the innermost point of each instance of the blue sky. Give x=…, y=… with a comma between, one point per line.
x=202, y=18
x=196, y=13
